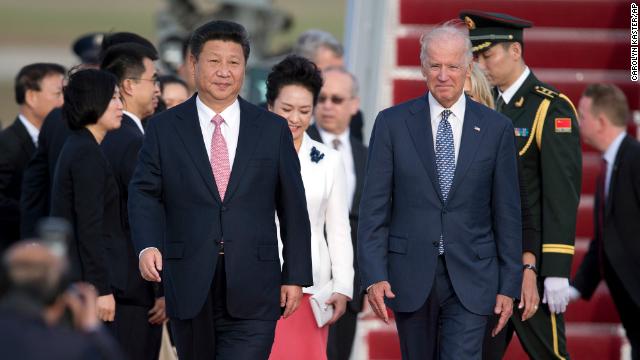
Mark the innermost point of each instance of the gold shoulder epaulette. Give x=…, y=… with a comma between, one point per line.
x=545, y=92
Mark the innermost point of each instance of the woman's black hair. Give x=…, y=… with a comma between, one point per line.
x=87, y=96
x=294, y=70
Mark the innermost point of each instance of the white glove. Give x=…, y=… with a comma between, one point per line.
x=574, y=294
x=556, y=294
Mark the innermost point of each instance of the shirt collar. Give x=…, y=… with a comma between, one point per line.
x=612, y=150
x=328, y=137
x=457, y=108
x=230, y=115
x=135, y=119
x=511, y=90
x=31, y=129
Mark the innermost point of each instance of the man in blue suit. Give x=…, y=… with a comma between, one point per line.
x=211, y=175
x=440, y=230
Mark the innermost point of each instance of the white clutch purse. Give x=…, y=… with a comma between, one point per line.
x=321, y=311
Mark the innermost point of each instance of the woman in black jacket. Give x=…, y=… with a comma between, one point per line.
x=84, y=189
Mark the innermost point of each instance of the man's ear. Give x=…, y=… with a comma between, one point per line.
x=126, y=88
x=31, y=98
x=515, y=50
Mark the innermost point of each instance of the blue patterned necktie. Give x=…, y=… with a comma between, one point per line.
x=445, y=162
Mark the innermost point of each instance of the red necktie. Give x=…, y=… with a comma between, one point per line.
x=220, y=157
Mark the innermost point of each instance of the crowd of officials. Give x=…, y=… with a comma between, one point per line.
x=131, y=199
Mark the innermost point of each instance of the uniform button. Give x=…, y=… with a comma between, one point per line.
x=224, y=208
x=436, y=243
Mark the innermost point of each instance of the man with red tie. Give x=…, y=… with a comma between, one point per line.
x=614, y=251
x=211, y=175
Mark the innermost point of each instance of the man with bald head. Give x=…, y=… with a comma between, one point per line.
x=440, y=225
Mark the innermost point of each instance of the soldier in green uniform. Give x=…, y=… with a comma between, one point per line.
x=547, y=136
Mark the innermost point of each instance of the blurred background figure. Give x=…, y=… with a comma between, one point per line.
x=41, y=317
x=173, y=90
x=85, y=191
x=38, y=89
x=87, y=48
x=477, y=87
x=292, y=92
x=614, y=251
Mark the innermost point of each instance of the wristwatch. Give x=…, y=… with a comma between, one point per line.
x=530, y=267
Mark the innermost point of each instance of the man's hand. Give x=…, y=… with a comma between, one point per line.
x=529, y=298
x=339, y=302
x=150, y=264
x=504, y=308
x=556, y=294
x=82, y=301
x=106, y=307
x=290, y=296
x=157, y=314
x=376, y=294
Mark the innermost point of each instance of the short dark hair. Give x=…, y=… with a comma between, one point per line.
x=294, y=70
x=219, y=30
x=610, y=100
x=87, y=96
x=30, y=77
x=125, y=37
x=126, y=60
x=171, y=79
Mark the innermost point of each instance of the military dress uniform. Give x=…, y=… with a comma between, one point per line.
x=548, y=141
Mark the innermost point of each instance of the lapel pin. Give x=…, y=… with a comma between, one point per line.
x=520, y=102
x=476, y=128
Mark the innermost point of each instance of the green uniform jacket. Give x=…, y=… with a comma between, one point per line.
x=552, y=170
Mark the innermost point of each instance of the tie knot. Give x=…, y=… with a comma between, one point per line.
x=445, y=114
x=336, y=143
x=217, y=120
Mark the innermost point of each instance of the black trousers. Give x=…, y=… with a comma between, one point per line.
x=214, y=334
x=341, y=335
x=628, y=310
x=442, y=328
x=137, y=337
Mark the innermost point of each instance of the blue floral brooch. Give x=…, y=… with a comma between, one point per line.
x=316, y=155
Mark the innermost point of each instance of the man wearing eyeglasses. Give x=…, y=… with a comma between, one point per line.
x=337, y=103
x=140, y=308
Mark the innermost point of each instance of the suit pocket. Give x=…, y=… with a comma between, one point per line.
x=398, y=244
x=174, y=250
x=486, y=251
x=268, y=253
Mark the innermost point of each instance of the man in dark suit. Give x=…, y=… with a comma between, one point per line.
x=212, y=173
x=38, y=89
x=337, y=102
x=440, y=225
x=614, y=251
x=137, y=308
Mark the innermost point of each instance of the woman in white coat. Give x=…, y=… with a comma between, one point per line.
x=292, y=92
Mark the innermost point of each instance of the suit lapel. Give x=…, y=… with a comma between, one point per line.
x=419, y=125
x=512, y=111
x=247, y=142
x=471, y=136
x=188, y=128
x=26, y=143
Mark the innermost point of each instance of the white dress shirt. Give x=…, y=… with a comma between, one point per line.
x=456, y=119
x=230, y=127
x=511, y=90
x=31, y=129
x=610, y=157
x=347, y=157
x=325, y=191
x=135, y=120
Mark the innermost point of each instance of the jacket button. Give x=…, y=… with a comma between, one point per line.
x=224, y=208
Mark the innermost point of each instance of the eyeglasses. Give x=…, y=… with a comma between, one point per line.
x=336, y=100
x=156, y=82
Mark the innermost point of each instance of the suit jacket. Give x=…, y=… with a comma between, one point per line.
x=359, y=153
x=621, y=227
x=173, y=178
x=326, y=194
x=16, y=148
x=35, y=201
x=121, y=147
x=402, y=214
x=85, y=193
